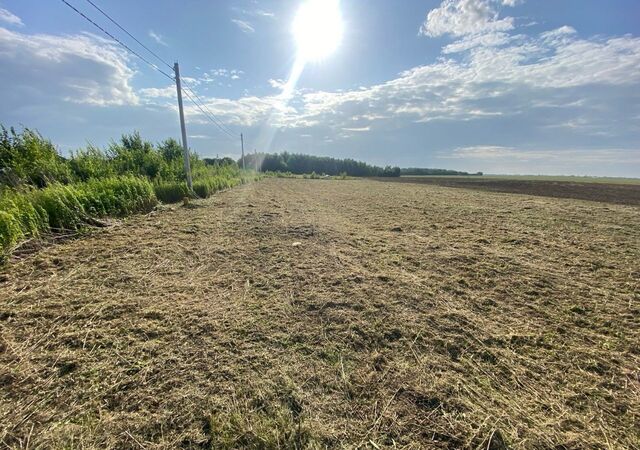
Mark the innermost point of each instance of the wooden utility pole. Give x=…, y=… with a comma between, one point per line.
x=185, y=146
x=255, y=158
x=242, y=145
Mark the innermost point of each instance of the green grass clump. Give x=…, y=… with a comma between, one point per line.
x=171, y=192
x=205, y=185
x=10, y=232
x=28, y=214
x=119, y=196
x=263, y=419
x=20, y=218
x=62, y=205
x=28, y=158
x=205, y=188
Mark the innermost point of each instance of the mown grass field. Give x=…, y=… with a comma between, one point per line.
x=296, y=313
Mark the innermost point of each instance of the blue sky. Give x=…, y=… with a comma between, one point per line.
x=501, y=86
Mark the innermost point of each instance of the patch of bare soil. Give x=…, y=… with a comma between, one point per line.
x=405, y=315
x=621, y=194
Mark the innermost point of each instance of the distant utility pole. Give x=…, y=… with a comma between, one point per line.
x=255, y=158
x=242, y=145
x=185, y=146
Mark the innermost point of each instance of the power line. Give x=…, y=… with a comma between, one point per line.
x=221, y=124
x=117, y=40
x=201, y=106
x=190, y=89
x=129, y=34
x=207, y=114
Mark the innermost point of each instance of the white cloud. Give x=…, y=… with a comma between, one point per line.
x=277, y=84
x=357, y=129
x=191, y=81
x=166, y=92
x=157, y=37
x=462, y=17
x=494, y=39
x=217, y=75
x=75, y=68
x=489, y=81
x=254, y=12
x=571, y=84
x=559, y=35
x=262, y=13
x=245, y=111
x=10, y=18
x=593, y=155
x=244, y=26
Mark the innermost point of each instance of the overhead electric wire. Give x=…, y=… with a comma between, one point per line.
x=190, y=89
x=129, y=34
x=208, y=116
x=201, y=106
x=117, y=40
x=218, y=121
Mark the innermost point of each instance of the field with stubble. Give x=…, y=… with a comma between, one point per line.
x=297, y=314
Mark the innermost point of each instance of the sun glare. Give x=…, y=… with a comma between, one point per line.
x=318, y=29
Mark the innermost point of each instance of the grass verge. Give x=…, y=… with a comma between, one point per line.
x=29, y=214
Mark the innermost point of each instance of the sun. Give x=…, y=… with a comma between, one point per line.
x=318, y=29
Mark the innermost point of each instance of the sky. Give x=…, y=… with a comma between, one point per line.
x=499, y=86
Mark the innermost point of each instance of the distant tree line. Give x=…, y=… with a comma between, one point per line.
x=300, y=164
x=226, y=161
x=426, y=171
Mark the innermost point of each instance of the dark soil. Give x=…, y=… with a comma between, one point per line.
x=621, y=194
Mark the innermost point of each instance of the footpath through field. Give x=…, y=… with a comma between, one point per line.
x=297, y=313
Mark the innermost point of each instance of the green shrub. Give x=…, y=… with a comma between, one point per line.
x=91, y=163
x=28, y=158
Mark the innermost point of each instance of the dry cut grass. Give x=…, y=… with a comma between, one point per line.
x=320, y=314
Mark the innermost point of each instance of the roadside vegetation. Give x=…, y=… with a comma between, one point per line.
x=43, y=192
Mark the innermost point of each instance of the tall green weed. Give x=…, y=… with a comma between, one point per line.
x=28, y=214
